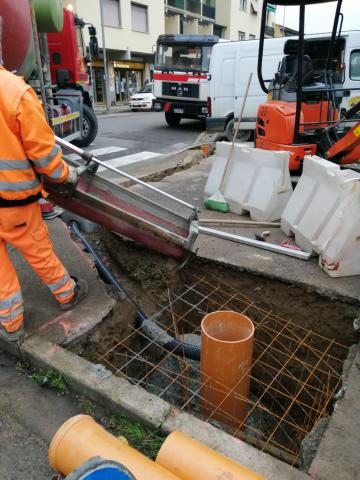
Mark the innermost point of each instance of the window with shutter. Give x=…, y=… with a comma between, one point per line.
x=243, y=5
x=111, y=10
x=139, y=18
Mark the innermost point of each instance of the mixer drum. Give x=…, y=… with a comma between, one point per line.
x=17, y=43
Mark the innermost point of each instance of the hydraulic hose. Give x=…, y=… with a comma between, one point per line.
x=152, y=329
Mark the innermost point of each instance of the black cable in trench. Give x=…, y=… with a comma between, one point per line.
x=154, y=330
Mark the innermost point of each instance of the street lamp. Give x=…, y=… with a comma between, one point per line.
x=106, y=71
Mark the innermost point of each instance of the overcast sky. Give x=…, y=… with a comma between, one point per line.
x=319, y=18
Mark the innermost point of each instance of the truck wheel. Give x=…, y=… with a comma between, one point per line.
x=172, y=119
x=242, y=136
x=89, y=128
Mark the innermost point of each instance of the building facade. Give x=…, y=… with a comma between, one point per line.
x=229, y=19
x=133, y=26
x=239, y=19
x=131, y=30
x=195, y=17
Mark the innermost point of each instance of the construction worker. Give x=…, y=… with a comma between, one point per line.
x=28, y=152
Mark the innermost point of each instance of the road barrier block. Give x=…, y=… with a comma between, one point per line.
x=257, y=181
x=324, y=215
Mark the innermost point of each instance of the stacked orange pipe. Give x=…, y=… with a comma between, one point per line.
x=81, y=438
x=180, y=458
x=191, y=460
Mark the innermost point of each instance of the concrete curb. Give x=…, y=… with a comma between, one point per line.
x=114, y=111
x=119, y=396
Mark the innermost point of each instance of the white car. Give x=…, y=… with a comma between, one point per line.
x=143, y=99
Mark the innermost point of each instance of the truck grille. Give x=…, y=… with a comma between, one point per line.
x=180, y=90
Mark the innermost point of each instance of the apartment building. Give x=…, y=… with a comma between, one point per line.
x=195, y=17
x=132, y=27
x=229, y=19
x=131, y=31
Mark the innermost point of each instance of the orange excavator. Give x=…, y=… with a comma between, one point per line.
x=303, y=113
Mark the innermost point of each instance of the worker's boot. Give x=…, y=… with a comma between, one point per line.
x=13, y=337
x=81, y=291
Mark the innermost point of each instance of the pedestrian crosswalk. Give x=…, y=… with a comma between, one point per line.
x=129, y=159
x=106, y=155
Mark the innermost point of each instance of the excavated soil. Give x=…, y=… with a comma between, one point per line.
x=148, y=277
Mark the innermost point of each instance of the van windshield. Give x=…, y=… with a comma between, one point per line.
x=183, y=57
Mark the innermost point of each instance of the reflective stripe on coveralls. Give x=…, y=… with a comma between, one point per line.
x=12, y=311
x=27, y=143
x=27, y=150
x=24, y=228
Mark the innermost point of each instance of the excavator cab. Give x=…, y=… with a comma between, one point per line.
x=305, y=95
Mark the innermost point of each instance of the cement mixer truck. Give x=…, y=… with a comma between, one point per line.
x=44, y=43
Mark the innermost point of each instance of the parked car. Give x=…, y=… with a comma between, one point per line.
x=143, y=99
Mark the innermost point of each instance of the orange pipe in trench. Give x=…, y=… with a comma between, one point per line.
x=81, y=438
x=226, y=357
x=191, y=460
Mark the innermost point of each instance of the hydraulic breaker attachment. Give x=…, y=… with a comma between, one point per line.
x=127, y=213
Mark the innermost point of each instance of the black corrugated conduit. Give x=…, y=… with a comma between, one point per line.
x=152, y=329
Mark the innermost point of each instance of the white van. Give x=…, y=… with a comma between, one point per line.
x=232, y=62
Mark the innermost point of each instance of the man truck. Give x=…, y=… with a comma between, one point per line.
x=181, y=76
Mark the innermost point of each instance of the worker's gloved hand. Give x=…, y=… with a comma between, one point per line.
x=73, y=176
x=68, y=187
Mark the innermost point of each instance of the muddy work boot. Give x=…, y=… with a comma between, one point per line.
x=81, y=291
x=13, y=337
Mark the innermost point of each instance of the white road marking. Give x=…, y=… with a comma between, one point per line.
x=97, y=152
x=106, y=150
x=129, y=159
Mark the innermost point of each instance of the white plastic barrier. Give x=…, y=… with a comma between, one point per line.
x=324, y=215
x=257, y=181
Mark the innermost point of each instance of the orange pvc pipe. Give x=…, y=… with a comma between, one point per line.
x=81, y=438
x=226, y=357
x=191, y=460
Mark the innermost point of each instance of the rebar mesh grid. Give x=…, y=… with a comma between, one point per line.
x=295, y=372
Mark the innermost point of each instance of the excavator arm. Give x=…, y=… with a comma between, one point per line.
x=346, y=149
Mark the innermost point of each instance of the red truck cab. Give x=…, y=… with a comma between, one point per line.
x=68, y=66
x=67, y=52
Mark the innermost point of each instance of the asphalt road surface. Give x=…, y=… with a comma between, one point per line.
x=130, y=138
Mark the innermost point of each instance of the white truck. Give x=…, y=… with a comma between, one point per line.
x=181, y=76
x=232, y=62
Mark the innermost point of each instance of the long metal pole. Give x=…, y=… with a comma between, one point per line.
x=92, y=89
x=333, y=33
x=38, y=59
x=299, y=82
x=261, y=47
x=64, y=144
x=271, y=247
x=106, y=70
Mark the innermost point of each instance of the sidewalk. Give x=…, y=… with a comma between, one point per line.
x=101, y=109
x=29, y=417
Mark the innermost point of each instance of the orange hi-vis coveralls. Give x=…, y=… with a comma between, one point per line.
x=27, y=150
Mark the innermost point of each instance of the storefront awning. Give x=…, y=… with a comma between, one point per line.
x=96, y=64
x=271, y=8
x=254, y=6
x=129, y=64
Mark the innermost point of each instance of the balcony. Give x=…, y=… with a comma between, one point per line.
x=193, y=6
x=204, y=8
x=176, y=4
x=208, y=9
